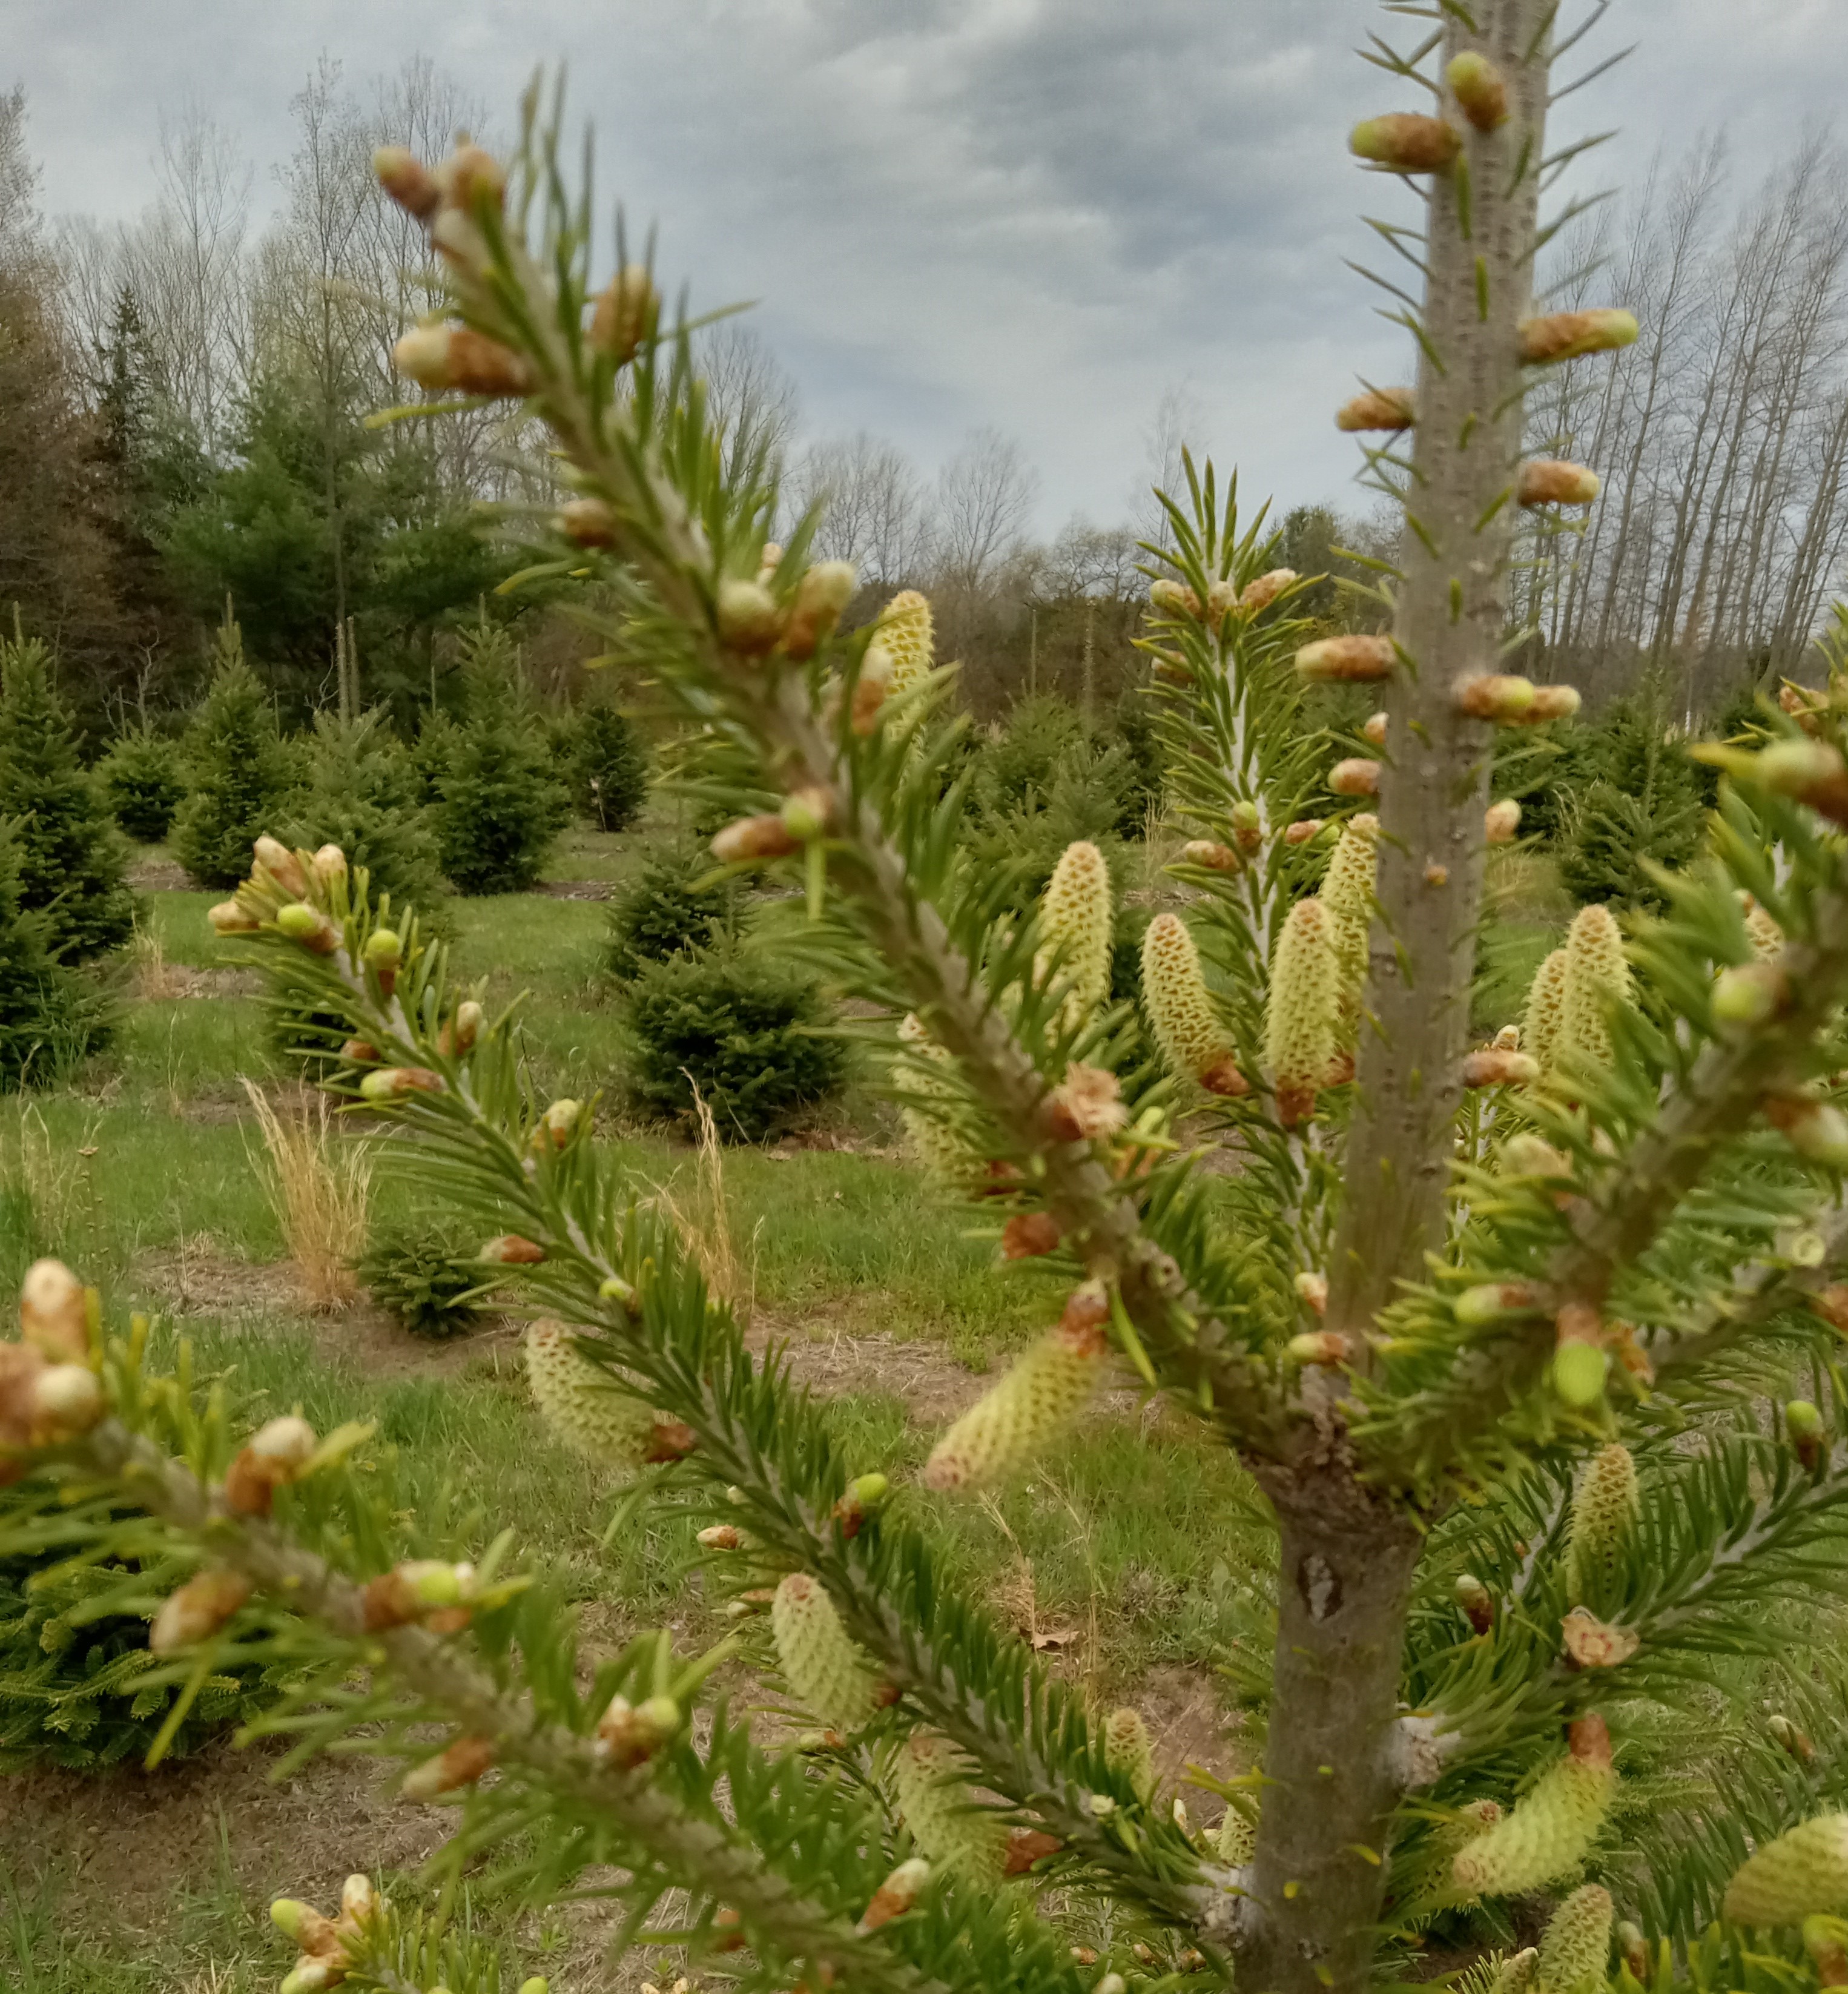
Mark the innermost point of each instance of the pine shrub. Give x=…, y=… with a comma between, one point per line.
x=658, y=913
x=72, y=860
x=363, y=795
x=49, y=1018
x=502, y=804
x=608, y=767
x=243, y=774
x=144, y=780
x=74, y=1691
x=742, y=1028
x=426, y=1279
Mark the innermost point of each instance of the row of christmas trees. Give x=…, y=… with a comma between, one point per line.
x=475, y=803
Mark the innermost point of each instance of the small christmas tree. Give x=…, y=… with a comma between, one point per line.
x=609, y=767
x=363, y=795
x=48, y=1019
x=241, y=769
x=143, y=777
x=72, y=862
x=502, y=803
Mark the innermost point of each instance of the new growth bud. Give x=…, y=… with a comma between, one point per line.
x=393, y=1083
x=752, y=837
x=274, y=858
x=629, y=1736
x=1215, y=858
x=1377, y=408
x=1501, y=821
x=896, y=1894
x=1263, y=590
x=407, y=180
x=228, y=918
x=626, y=313
x=441, y=357
x=749, y=620
x=308, y=925
x=197, y=1611
x=1809, y=1437
x=1028, y=1234
x=1405, y=142
x=54, y=1312
x=1479, y=88
x=1571, y=335
x=1477, y=1602
x=1547, y=481
x=1357, y=659
x=1355, y=777
x=462, y=1765
x=1499, y=697
x=586, y=522
x=821, y=595
x=1748, y=995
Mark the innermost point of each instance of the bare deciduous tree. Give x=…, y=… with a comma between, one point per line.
x=984, y=498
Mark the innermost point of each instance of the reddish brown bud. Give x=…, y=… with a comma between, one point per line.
x=1374, y=731
x=1500, y=822
x=1215, y=857
x=765, y=837
x=1028, y=1234
x=1405, y=142
x=197, y=1611
x=1481, y=94
x=1223, y=1077
x=1377, y=408
x=1313, y=1288
x=54, y=1312
x=1571, y=335
x=408, y=181
x=464, y=1763
x=1554, y=702
x=1302, y=831
x=588, y=522
x=1355, y=777
x=392, y=1083
x=1263, y=590
x=626, y=314
x=1352, y=660
x=1491, y=1068
x=510, y=1250
x=439, y=357
x=1497, y=696
x=1026, y=1846
x=671, y=1440
x=1550, y=481
x=359, y=1052
x=1087, y=1309
x=1086, y=1104
x=471, y=175
x=1588, y=1739
x=228, y=918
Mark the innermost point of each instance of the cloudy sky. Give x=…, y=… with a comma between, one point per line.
x=1038, y=214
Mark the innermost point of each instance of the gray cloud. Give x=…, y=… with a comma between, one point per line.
x=1034, y=214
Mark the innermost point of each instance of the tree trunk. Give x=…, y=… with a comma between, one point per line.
x=1344, y=1580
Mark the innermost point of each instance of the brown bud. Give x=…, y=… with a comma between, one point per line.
x=393, y=1083
x=896, y=1894
x=1593, y=1643
x=274, y=858
x=1028, y=1234
x=1302, y=831
x=1588, y=1739
x=1797, y=1743
x=510, y=1250
x=359, y=1052
x=469, y=176
x=197, y=1611
x=871, y=688
x=464, y=1763
x=728, y=1931
x=438, y=356
x=626, y=314
x=821, y=595
x=1263, y=590
x=1352, y=660
x=1500, y=697
x=588, y=522
x=1086, y=1104
x=1493, y=1067
x=1223, y=1078
x=1374, y=731
x=1481, y=94
x=1313, y=1288
x=1571, y=335
x=1026, y=1846
x=749, y=617
x=54, y=1312
x=1550, y=480
x=1831, y=1303
x=722, y=1536
x=1554, y=702
x=1436, y=875
x=228, y=918
x=1087, y=1309
x=1377, y=408
x=669, y=1440
x=405, y=177
x=1405, y=142
x=1216, y=857
x=1355, y=777
x=1477, y=1601
x=1500, y=821
x=1318, y=1347
x=1174, y=598
x=766, y=836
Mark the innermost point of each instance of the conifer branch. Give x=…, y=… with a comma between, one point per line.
x=701, y=1854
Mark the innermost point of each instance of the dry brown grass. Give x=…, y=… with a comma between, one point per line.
x=703, y=1217
x=154, y=979
x=320, y=1185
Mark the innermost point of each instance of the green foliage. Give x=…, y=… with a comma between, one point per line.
x=48, y=1018
x=144, y=779
x=73, y=1658
x=72, y=863
x=658, y=913
x=425, y=1278
x=243, y=775
x=608, y=767
x=364, y=796
x=740, y=1026
x=1641, y=805
x=502, y=803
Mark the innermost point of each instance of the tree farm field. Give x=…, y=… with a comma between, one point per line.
x=1125, y=1562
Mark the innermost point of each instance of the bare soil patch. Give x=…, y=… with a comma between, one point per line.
x=158, y=875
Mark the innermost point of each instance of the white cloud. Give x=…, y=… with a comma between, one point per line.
x=1034, y=214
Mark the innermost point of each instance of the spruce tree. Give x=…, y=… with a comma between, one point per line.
x=363, y=795
x=143, y=777
x=49, y=1019
x=242, y=772
x=609, y=766
x=502, y=803
x=73, y=864
x=1528, y=1347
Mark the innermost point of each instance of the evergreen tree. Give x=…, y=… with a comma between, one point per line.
x=73, y=864
x=364, y=796
x=243, y=774
x=1642, y=806
x=143, y=777
x=1516, y=1345
x=501, y=802
x=609, y=767
x=48, y=1019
